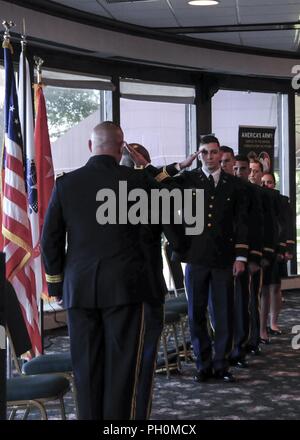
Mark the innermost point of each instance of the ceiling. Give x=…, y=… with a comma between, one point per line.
x=278, y=17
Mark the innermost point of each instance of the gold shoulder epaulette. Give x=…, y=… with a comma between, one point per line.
x=162, y=175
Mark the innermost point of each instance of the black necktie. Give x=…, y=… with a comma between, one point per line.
x=211, y=182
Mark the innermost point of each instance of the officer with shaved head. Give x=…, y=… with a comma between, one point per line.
x=98, y=271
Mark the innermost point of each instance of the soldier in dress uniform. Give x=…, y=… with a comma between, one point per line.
x=272, y=246
x=227, y=159
x=100, y=277
x=243, y=318
x=213, y=258
x=272, y=285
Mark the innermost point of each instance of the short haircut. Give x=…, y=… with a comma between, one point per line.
x=226, y=149
x=209, y=139
x=142, y=150
x=242, y=158
x=260, y=164
x=270, y=174
x=109, y=124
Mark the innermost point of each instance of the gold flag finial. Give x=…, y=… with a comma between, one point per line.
x=38, y=63
x=6, y=37
x=7, y=25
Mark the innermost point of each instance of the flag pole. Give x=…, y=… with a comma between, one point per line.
x=23, y=46
x=38, y=63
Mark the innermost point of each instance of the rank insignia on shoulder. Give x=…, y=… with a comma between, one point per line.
x=60, y=174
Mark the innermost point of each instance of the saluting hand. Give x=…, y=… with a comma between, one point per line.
x=137, y=157
x=238, y=268
x=188, y=161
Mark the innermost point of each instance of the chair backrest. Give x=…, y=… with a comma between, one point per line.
x=175, y=269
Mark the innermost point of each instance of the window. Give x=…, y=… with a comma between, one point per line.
x=161, y=117
x=233, y=108
x=75, y=104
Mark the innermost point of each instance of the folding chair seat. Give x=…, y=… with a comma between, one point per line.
x=34, y=391
x=49, y=363
x=59, y=363
x=178, y=304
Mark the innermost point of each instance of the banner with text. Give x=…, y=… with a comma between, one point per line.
x=258, y=143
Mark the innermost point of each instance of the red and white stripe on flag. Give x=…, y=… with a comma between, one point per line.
x=15, y=222
x=17, y=242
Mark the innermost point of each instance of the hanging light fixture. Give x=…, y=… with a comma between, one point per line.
x=203, y=2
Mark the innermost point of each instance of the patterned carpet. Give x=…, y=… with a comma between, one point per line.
x=268, y=390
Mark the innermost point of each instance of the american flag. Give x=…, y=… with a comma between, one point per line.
x=15, y=222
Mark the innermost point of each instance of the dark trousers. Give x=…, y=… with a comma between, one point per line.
x=255, y=288
x=106, y=348
x=241, y=316
x=200, y=281
x=154, y=322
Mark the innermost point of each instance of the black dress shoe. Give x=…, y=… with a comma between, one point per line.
x=203, y=375
x=255, y=351
x=224, y=375
x=239, y=363
x=264, y=341
x=275, y=332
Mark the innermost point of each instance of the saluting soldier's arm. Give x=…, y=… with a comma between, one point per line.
x=53, y=243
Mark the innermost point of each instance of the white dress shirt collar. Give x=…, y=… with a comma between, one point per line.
x=216, y=175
